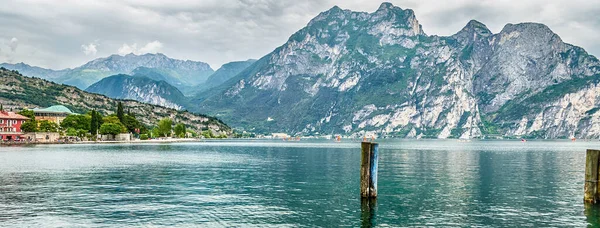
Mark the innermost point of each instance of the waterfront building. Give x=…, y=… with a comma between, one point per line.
x=56, y=113
x=10, y=126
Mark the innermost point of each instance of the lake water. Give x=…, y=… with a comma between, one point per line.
x=308, y=183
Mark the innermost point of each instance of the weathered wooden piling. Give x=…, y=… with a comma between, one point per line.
x=368, y=169
x=590, y=194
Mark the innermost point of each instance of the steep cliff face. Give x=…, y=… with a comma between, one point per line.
x=378, y=73
x=139, y=88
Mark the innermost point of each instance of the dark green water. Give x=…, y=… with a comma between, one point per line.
x=310, y=184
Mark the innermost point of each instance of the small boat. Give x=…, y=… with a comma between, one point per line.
x=523, y=140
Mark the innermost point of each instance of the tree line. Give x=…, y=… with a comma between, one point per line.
x=93, y=123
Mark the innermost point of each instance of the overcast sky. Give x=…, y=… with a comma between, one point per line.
x=67, y=33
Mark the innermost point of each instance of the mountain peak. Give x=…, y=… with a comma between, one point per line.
x=475, y=24
x=388, y=8
x=530, y=31
x=335, y=8
x=531, y=26
x=385, y=6
x=403, y=17
x=472, y=31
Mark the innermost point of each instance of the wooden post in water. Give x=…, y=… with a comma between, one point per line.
x=368, y=169
x=590, y=194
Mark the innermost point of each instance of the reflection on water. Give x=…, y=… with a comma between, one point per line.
x=592, y=213
x=421, y=183
x=367, y=210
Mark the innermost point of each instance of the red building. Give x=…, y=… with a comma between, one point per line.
x=10, y=126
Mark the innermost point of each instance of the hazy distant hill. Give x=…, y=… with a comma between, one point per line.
x=34, y=71
x=179, y=73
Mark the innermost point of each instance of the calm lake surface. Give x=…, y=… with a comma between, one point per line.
x=308, y=183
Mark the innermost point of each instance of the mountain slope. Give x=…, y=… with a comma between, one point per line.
x=139, y=88
x=379, y=73
x=226, y=72
x=20, y=91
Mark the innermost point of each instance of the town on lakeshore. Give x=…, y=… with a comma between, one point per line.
x=58, y=124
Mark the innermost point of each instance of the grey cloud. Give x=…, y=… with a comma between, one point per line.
x=219, y=31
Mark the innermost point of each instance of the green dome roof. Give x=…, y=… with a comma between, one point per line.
x=55, y=108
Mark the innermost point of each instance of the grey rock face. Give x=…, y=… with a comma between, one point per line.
x=357, y=73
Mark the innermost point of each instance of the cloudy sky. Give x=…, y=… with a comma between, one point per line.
x=67, y=33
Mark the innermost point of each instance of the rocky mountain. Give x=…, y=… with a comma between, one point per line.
x=19, y=91
x=139, y=88
x=226, y=72
x=358, y=73
x=180, y=73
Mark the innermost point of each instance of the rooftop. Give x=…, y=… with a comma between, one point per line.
x=54, y=109
x=11, y=115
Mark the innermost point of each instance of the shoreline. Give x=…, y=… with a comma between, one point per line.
x=191, y=140
x=104, y=142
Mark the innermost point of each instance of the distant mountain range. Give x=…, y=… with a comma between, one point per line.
x=179, y=73
x=150, y=78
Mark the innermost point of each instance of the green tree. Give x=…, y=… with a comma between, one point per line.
x=165, y=126
x=111, y=129
x=82, y=133
x=29, y=126
x=27, y=113
x=76, y=122
x=93, y=122
x=155, y=132
x=71, y=132
x=131, y=123
x=208, y=134
x=180, y=130
x=193, y=133
x=111, y=119
x=120, y=113
x=47, y=126
x=96, y=121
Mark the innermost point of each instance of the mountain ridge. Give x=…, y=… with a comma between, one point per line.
x=378, y=73
x=180, y=72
